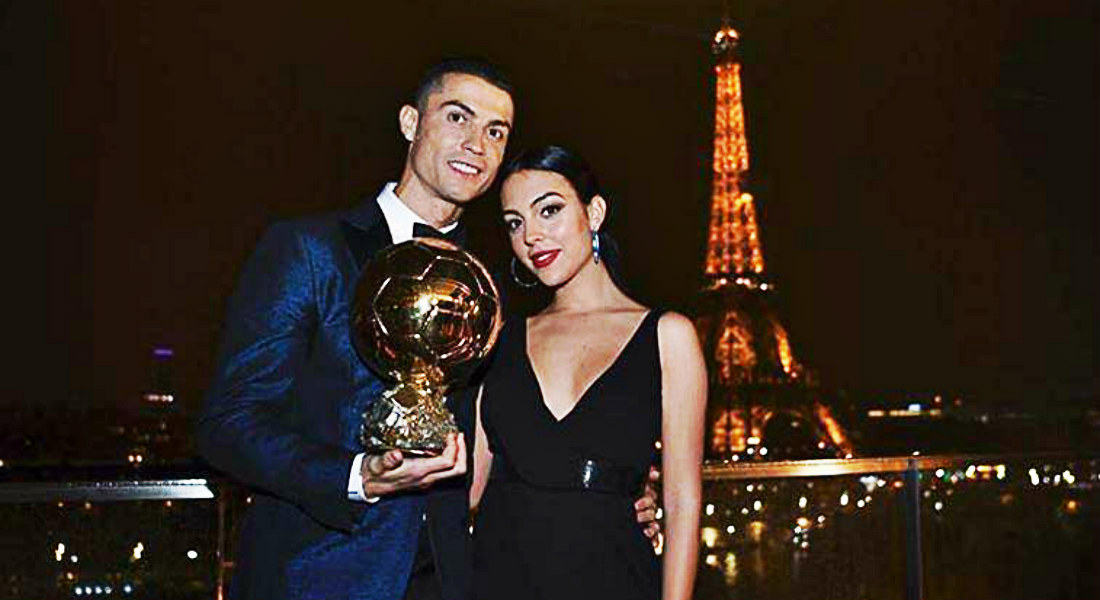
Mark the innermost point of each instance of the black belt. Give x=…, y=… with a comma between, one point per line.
x=591, y=474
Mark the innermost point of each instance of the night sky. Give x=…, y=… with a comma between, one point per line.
x=925, y=172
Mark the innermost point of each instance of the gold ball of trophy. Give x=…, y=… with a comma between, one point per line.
x=425, y=314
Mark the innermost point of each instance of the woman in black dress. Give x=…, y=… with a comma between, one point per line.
x=579, y=400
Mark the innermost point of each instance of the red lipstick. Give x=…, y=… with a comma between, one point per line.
x=541, y=260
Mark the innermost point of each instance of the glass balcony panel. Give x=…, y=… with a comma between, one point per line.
x=990, y=528
x=113, y=539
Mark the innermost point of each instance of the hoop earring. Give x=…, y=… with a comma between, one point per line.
x=596, y=247
x=520, y=282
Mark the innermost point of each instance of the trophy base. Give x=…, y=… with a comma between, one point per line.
x=408, y=419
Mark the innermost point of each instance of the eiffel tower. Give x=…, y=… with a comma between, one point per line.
x=763, y=403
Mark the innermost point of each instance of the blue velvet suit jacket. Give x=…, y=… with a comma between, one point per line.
x=283, y=416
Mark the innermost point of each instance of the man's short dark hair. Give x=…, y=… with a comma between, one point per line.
x=480, y=68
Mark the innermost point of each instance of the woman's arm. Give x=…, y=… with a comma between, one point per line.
x=684, y=398
x=483, y=458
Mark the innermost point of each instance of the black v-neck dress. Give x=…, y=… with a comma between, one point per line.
x=557, y=520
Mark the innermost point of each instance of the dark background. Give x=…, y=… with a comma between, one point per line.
x=926, y=172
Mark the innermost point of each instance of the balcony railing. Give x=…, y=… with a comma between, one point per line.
x=126, y=536
x=913, y=527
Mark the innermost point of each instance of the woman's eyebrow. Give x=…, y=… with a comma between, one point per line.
x=544, y=196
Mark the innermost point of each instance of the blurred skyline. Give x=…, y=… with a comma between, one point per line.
x=925, y=173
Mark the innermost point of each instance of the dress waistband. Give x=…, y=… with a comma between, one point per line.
x=591, y=474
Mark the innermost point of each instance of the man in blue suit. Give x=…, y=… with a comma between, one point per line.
x=284, y=410
x=285, y=407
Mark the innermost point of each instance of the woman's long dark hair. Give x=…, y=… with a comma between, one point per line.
x=575, y=170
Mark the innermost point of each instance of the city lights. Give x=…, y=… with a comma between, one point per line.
x=799, y=510
x=159, y=398
x=98, y=590
x=709, y=536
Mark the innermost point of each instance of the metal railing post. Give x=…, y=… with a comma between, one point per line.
x=914, y=570
x=223, y=501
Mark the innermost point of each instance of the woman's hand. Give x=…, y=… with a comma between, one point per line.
x=646, y=508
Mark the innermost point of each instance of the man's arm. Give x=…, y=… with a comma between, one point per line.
x=271, y=322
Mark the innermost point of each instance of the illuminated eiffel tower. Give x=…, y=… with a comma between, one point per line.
x=763, y=403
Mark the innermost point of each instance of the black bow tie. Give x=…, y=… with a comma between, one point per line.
x=455, y=236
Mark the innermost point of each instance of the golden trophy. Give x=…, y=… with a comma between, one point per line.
x=425, y=314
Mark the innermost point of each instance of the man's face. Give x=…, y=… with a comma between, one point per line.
x=458, y=138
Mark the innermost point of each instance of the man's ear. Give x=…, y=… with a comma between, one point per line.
x=597, y=212
x=408, y=118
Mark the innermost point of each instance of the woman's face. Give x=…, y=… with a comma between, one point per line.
x=548, y=225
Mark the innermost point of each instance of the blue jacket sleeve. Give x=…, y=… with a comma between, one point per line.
x=244, y=427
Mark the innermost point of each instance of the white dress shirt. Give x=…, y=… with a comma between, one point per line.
x=400, y=219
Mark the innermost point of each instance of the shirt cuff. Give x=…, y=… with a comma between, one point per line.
x=356, y=492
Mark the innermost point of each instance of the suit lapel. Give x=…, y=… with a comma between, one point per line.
x=365, y=231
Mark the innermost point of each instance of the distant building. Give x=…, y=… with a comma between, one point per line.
x=161, y=391
x=160, y=432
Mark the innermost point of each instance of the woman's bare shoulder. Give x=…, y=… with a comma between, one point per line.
x=676, y=335
x=675, y=325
